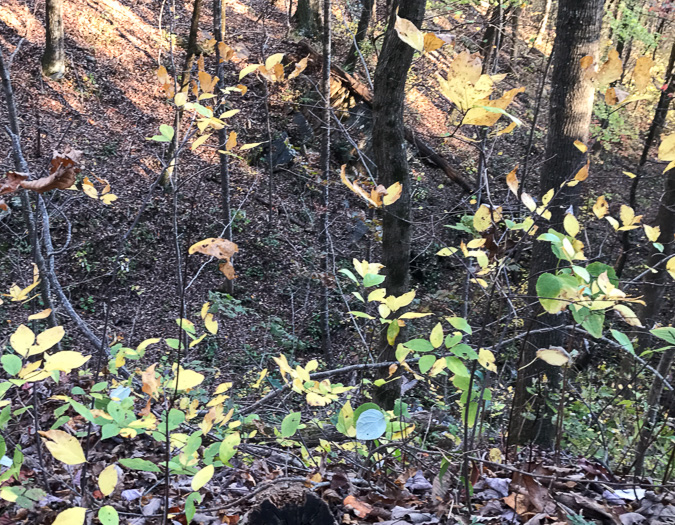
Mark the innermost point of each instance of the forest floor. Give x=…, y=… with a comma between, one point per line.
x=110, y=102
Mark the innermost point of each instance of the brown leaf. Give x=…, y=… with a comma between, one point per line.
x=360, y=508
x=63, y=170
x=3, y=205
x=12, y=182
x=227, y=269
x=150, y=382
x=641, y=75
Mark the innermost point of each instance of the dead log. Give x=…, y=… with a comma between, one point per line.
x=425, y=151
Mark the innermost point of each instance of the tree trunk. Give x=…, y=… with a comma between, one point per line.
x=307, y=17
x=577, y=35
x=543, y=25
x=390, y=156
x=54, y=57
x=191, y=53
x=665, y=218
x=224, y=167
x=325, y=167
x=361, y=30
x=654, y=129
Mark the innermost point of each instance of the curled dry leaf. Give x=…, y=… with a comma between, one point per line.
x=63, y=169
x=12, y=182
x=220, y=249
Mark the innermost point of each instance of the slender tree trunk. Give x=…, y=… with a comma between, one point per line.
x=515, y=32
x=184, y=82
x=224, y=167
x=325, y=167
x=654, y=129
x=577, y=35
x=543, y=25
x=361, y=31
x=54, y=57
x=392, y=166
x=654, y=282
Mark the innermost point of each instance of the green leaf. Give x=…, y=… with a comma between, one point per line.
x=419, y=345
x=345, y=424
x=593, y=323
x=108, y=516
x=349, y=274
x=166, y=131
x=392, y=332
x=109, y=430
x=370, y=425
x=228, y=447
x=190, y=508
x=623, y=340
x=11, y=363
x=139, y=464
x=426, y=362
x=290, y=424
x=452, y=339
x=666, y=333
x=372, y=280
x=176, y=418
x=464, y=351
x=456, y=366
x=548, y=288
x=459, y=323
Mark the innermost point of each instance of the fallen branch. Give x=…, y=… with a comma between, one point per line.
x=425, y=151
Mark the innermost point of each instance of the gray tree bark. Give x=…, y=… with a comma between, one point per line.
x=54, y=57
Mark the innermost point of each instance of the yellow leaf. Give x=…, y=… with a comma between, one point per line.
x=185, y=379
x=601, y=207
x=108, y=199
x=273, y=60
x=88, y=188
x=571, y=225
x=202, y=477
x=215, y=247
x=670, y=267
x=22, y=340
x=641, y=75
x=610, y=70
x=613, y=222
x=199, y=141
x=436, y=337
x=667, y=148
x=528, y=201
x=180, y=99
x=107, y=480
x=581, y=146
x=40, y=315
x=555, y=356
x=582, y=174
x=432, y=43
x=476, y=243
x=628, y=218
x=231, y=141
x=72, y=516
x=316, y=400
x=464, y=84
x=629, y=174
x=50, y=337
x=495, y=455
x=261, y=376
x=512, y=181
x=628, y=315
x=395, y=303
x=250, y=146
x=211, y=324
x=508, y=129
x=408, y=32
x=478, y=116
x=300, y=66
x=652, y=232
x=65, y=361
x=487, y=360
x=64, y=447
x=248, y=69
x=393, y=194
x=482, y=220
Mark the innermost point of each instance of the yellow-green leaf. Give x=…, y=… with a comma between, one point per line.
x=487, y=359
x=436, y=337
x=571, y=225
x=65, y=361
x=64, y=447
x=72, y=516
x=202, y=477
x=107, y=480
x=555, y=356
